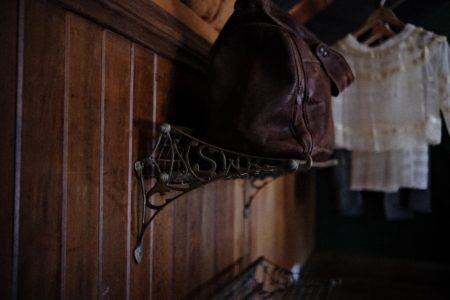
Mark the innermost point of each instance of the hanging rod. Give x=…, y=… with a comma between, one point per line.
x=180, y=163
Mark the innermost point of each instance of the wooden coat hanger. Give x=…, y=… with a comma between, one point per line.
x=380, y=23
x=379, y=31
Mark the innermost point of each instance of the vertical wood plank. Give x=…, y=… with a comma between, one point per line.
x=304, y=193
x=207, y=264
x=194, y=243
x=84, y=91
x=163, y=223
x=8, y=88
x=219, y=213
x=271, y=221
x=42, y=148
x=248, y=223
x=229, y=233
x=239, y=225
x=223, y=238
x=294, y=213
x=180, y=237
x=263, y=223
x=165, y=81
x=253, y=223
x=278, y=224
x=290, y=227
x=276, y=205
x=115, y=167
x=142, y=139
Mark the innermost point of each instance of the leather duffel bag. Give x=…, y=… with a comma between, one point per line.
x=270, y=86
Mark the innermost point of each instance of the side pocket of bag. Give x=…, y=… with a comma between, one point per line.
x=316, y=109
x=299, y=123
x=319, y=110
x=336, y=67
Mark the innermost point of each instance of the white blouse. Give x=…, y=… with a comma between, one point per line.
x=400, y=87
x=388, y=171
x=390, y=114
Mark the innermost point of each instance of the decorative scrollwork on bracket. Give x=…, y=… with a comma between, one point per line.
x=181, y=163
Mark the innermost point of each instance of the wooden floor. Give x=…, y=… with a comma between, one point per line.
x=367, y=278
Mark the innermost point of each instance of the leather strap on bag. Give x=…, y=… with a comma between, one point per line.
x=336, y=68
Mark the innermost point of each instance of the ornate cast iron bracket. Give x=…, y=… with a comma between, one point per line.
x=181, y=163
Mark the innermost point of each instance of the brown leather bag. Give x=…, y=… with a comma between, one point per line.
x=270, y=86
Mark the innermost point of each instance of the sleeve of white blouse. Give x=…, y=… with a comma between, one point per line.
x=443, y=79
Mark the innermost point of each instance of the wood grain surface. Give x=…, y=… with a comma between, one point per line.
x=115, y=248
x=8, y=90
x=92, y=98
x=143, y=87
x=83, y=104
x=40, y=236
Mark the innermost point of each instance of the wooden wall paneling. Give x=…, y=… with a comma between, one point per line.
x=90, y=102
x=214, y=211
x=194, y=246
x=224, y=208
x=239, y=244
x=302, y=215
x=304, y=191
x=142, y=141
x=42, y=153
x=162, y=255
x=178, y=86
x=163, y=224
x=263, y=223
x=145, y=22
x=248, y=225
x=115, y=247
x=287, y=217
x=8, y=91
x=83, y=92
x=279, y=226
x=180, y=254
x=258, y=220
x=254, y=223
x=165, y=82
x=278, y=203
x=267, y=239
x=209, y=232
x=295, y=225
x=231, y=203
